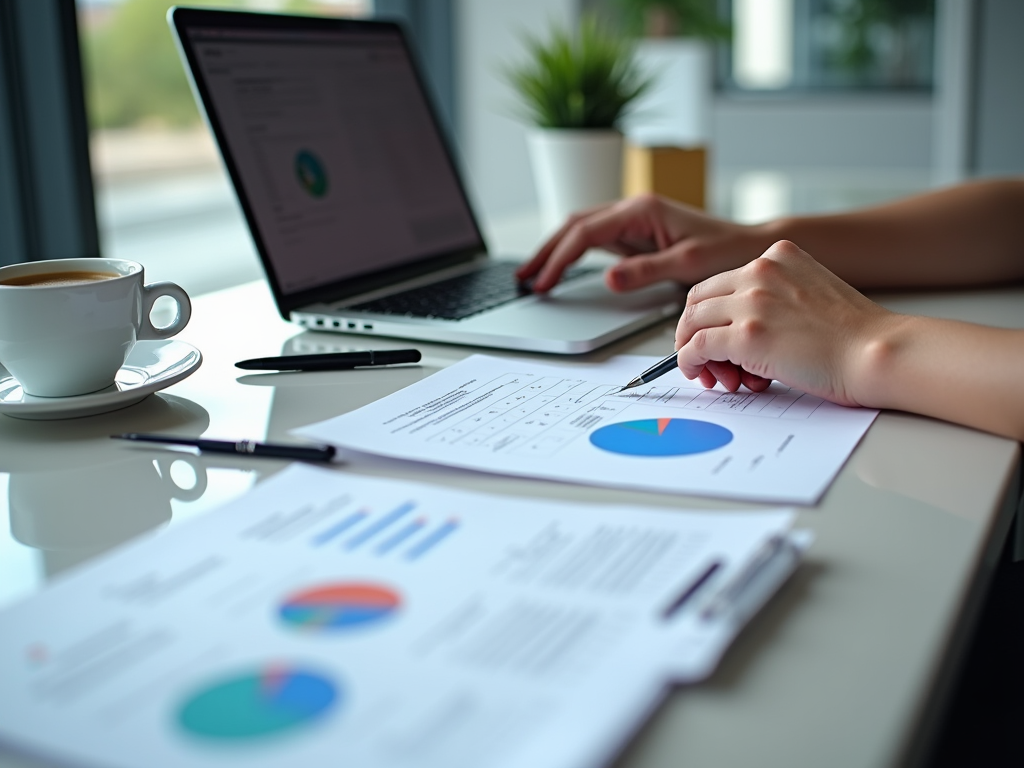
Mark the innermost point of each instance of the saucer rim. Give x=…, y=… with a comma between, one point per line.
x=103, y=400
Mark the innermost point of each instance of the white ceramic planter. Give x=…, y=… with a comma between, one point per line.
x=574, y=169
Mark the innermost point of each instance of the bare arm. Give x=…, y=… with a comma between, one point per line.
x=961, y=372
x=972, y=234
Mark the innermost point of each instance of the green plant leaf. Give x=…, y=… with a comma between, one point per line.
x=583, y=80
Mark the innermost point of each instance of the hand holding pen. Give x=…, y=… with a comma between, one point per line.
x=730, y=375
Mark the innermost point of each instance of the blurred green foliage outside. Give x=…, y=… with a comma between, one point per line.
x=134, y=77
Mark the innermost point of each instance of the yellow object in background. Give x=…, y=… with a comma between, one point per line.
x=674, y=172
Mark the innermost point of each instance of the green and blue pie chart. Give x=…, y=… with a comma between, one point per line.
x=310, y=172
x=660, y=437
x=258, y=703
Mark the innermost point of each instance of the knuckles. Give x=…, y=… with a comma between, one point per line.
x=758, y=297
x=689, y=316
x=647, y=201
x=750, y=331
x=763, y=268
x=700, y=340
x=785, y=249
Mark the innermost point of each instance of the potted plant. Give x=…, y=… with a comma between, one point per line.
x=575, y=90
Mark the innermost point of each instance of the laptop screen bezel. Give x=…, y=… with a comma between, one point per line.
x=183, y=20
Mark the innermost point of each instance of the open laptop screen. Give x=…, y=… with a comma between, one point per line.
x=340, y=161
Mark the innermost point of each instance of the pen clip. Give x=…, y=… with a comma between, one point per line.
x=767, y=569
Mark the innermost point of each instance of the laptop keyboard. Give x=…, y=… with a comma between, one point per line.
x=460, y=297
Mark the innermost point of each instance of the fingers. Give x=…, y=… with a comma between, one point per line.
x=533, y=266
x=725, y=372
x=753, y=382
x=707, y=378
x=643, y=270
x=626, y=221
x=705, y=346
x=710, y=313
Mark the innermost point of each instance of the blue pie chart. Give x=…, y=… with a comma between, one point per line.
x=660, y=437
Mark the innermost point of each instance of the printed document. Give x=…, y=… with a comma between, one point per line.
x=572, y=423
x=330, y=619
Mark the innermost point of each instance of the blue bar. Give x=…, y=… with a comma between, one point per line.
x=322, y=538
x=388, y=544
x=380, y=525
x=432, y=540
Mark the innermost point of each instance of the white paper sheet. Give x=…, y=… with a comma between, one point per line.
x=328, y=619
x=566, y=422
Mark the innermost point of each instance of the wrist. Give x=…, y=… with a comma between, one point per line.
x=879, y=357
x=760, y=237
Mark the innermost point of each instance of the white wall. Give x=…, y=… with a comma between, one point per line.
x=823, y=132
x=492, y=141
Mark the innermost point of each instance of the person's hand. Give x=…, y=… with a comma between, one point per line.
x=783, y=316
x=664, y=240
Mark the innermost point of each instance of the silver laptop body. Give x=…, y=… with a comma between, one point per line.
x=350, y=192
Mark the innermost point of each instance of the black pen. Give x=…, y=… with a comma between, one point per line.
x=656, y=370
x=244, y=447
x=331, y=361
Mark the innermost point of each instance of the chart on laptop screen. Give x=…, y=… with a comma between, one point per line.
x=339, y=158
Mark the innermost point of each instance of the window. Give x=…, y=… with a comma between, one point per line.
x=829, y=45
x=161, y=196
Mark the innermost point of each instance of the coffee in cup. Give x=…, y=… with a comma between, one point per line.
x=59, y=278
x=67, y=325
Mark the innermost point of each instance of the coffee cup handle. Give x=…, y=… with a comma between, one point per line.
x=177, y=492
x=150, y=293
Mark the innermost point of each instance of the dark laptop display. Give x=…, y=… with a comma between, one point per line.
x=337, y=153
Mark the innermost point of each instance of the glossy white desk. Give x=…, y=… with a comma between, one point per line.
x=845, y=668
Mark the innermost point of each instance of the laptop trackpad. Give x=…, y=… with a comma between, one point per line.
x=585, y=309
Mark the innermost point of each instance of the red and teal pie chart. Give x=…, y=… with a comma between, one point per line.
x=258, y=703
x=339, y=606
x=660, y=437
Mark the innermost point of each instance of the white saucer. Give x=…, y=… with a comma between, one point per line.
x=150, y=367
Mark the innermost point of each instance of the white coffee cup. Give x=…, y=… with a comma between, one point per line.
x=70, y=338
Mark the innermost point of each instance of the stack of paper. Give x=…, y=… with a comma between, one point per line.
x=328, y=619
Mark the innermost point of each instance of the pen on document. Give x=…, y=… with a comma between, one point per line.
x=244, y=447
x=656, y=370
x=684, y=597
x=331, y=361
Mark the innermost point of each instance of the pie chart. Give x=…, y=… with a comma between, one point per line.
x=258, y=703
x=660, y=437
x=339, y=606
x=310, y=172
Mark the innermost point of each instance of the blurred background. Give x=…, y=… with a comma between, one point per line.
x=811, y=105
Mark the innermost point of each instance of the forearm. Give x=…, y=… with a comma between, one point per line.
x=960, y=372
x=972, y=234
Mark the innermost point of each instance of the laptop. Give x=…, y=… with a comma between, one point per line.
x=354, y=204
